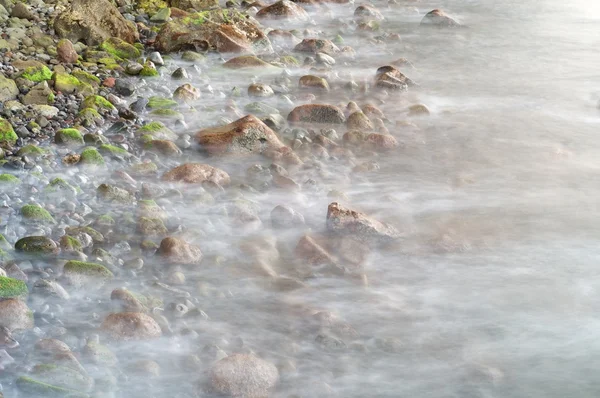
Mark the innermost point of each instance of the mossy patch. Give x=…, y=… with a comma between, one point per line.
x=152, y=227
x=289, y=60
x=148, y=70
x=88, y=117
x=86, y=77
x=69, y=84
x=151, y=6
x=69, y=136
x=31, y=150
x=120, y=48
x=91, y=156
x=97, y=237
x=112, y=150
x=7, y=134
x=70, y=244
x=37, y=73
x=36, y=213
x=167, y=114
x=161, y=103
x=60, y=185
x=12, y=288
x=9, y=179
x=97, y=103
x=86, y=268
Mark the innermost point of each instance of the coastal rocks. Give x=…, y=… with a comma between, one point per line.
x=358, y=121
x=37, y=245
x=127, y=326
x=65, y=52
x=227, y=31
x=314, y=46
x=8, y=137
x=186, y=93
x=243, y=375
x=177, y=251
x=283, y=9
x=198, y=5
x=246, y=62
x=84, y=274
x=312, y=252
x=244, y=136
x=15, y=315
x=94, y=21
x=343, y=221
x=440, y=19
x=371, y=141
x=286, y=217
x=8, y=89
x=365, y=11
x=193, y=173
x=316, y=113
x=390, y=78
x=313, y=82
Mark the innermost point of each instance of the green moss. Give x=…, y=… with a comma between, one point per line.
x=168, y=113
x=36, y=213
x=160, y=103
x=66, y=83
x=37, y=74
x=148, y=71
x=70, y=244
x=152, y=226
x=289, y=60
x=199, y=18
x=151, y=6
x=112, y=150
x=37, y=388
x=90, y=156
x=9, y=179
x=36, y=245
x=58, y=184
x=7, y=134
x=97, y=102
x=51, y=98
x=120, y=48
x=68, y=136
x=86, y=77
x=10, y=288
x=105, y=219
x=110, y=63
x=88, y=117
x=85, y=268
x=96, y=236
x=31, y=150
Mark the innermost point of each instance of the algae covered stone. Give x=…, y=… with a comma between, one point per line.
x=113, y=193
x=36, y=213
x=160, y=103
x=91, y=157
x=112, y=150
x=81, y=273
x=36, y=245
x=12, y=288
x=69, y=137
x=8, y=137
x=37, y=73
x=8, y=89
x=69, y=84
x=97, y=103
x=9, y=179
x=120, y=48
x=37, y=388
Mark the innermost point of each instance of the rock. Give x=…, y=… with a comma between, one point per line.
x=12, y=288
x=69, y=137
x=283, y=9
x=197, y=173
x=69, y=84
x=177, y=251
x=359, y=121
x=344, y=221
x=371, y=141
x=99, y=354
x=21, y=10
x=244, y=376
x=8, y=89
x=260, y=90
x=94, y=21
x=247, y=61
x=65, y=52
x=120, y=48
x=37, y=245
x=35, y=388
x=164, y=147
x=198, y=5
x=439, y=18
x=131, y=326
x=365, y=11
x=228, y=31
x=84, y=274
x=40, y=94
x=36, y=213
x=8, y=137
x=316, y=113
x=91, y=157
x=127, y=300
x=312, y=253
x=125, y=87
x=244, y=136
x=314, y=46
x=51, y=347
x=47, y=111
x=186, y=93
x=47, y=289
x=63, y=377
x=15, y=315
x=389, y=77
x=112, y=193
x=156, y=58
x=163, y=15
x=286, y=217
x=418, y=110
x=313, y=82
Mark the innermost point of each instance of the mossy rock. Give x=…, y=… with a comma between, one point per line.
x=105, y=220
x=99, y=354
x=69, y=244
x=192, y=56
x=144, y=169
x=91, y=157
x=31, y=150
x=8, y=137
x=9, y=179
x=95, y=139
x=12, y=288
x=62, y=376
x=36, y=213
x=113, y=193
x=97, y=237
x=89, y=117
x=69, y=136
x=60, y=185
x=97, y=103
x=107, y=149
x=161, y=103
x=87, y=268
x=169, y=114
x=120, y=48
x=37, y=73
x=289, y=60
x=86, y=77
x=152, y=227
x=157, y=130
x=149, y=70
x=69, y=84
x=151, y=6
x=36, y=245
x=35, y=388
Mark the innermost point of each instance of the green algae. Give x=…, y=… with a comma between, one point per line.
x=12, y=288
x=120, y=48
x=36, y=213
x=9, y=179
x=86, y=77
x=7, y=134
x=31, y=150
x=87, y=268
x=69, y=136
x=161, y=103
x=112, y=150
x=37, y=388
x=97, y=103
x=91, y=156
x=37, y=74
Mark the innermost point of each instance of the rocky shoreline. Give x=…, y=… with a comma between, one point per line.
x=99, y=155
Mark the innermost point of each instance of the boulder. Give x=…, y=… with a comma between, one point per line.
x=316, y=113
x=94, y=21
x=314, y=46
x=8, y=89
x=65, y=52
x=390, y=78
x=344, y=221
x=131, y=326
x=440, y=19
x=243, y=375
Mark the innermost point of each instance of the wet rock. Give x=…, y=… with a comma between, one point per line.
x=286, y=217
x=131, y=326
x=33, y=388
x=390, y=78
x=344, y=221
x=186, y=92
x=99, y=354
x=371, y=141
x=365, y=11
x=198, y=5
x=243, y=375
x=247, y=61
x=21, y=10
x=94, y=21
x=40, y=94
x=260, y=90
x=314, y=46
x=359, y=121
x=226, y=31
x=12, y=288
x=37, y=245
x=127, y=300
x=62, y=377
x=418, y=110
x=163, y=15
x=178, y=251
x=316, y=113
x=46, y=288
x=283, y=9
x=164, y=147
x=69, y=137
x=8, y=89
x=313, y=82
x=312, y=252
x=51, y=347
x=197, y=173
x=15, y=315
x=439, y=18
x=65, y=52
x=113, y=193
x=84, y=274
x=244, y=136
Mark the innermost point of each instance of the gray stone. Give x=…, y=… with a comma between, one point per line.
x=8, y=89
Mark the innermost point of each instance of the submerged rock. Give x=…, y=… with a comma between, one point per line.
x=283, y=9
x=389, y=77
x=131, y=326
x=15, y=315
x=178, y=251
x=197, y=173
x=344, y=221
x=316, y=113
x=243, y=375
x=439, y=18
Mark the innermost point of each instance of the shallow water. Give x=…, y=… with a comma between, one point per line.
x=493, y=289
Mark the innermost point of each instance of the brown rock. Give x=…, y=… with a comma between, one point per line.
x=186, y=92
x=51, y=347
x=260, y=90
x=131, y=326
x=229, y=32
x=283, y=9
x=197, y=173
x=310, y=251
x=126, y=300
x=313, y=82
x=94, y=21
x=178, y=251
x=283, y=37
x=165, y=147
x=198, y=5
x=439, y=18
x=317, y=45
x=244, y=136
x=243, y=376
x=366, y=11
x=247, y=61
x=344, y=221
x=316, y=113
x=372, y=110
x=359, y=121
x=21, y=10
x=389, y=77
x=15, y=315
x=65, y=52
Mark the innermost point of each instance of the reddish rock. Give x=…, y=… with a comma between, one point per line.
x=283, y=9
x=283, y=37
x=243, y=376
x=359, y=121
x=247, y=61
x=313, y=82
x=389, y=77
x=317, y=45
x=343, y=221
x=15, y=315
x=178, y=251
x=439, y=18
x=197, y=173
x=372, y=141
x=65, y=52
x=316, y=113
x=131, y=326
x=109, y=82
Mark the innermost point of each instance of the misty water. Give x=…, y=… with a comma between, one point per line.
x=493, y=289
